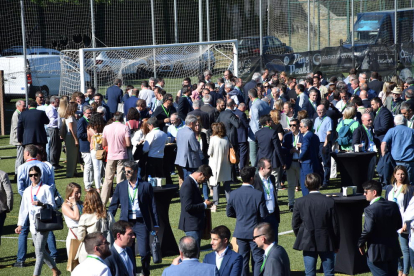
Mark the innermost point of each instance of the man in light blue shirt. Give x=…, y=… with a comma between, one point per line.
x=176, y=124
x=154, y=144
x=323, y=129
x=401, y=141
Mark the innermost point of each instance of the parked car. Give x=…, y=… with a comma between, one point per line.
x=115, y=62
x=34, y=50
x=184, y=58
x=250, y=46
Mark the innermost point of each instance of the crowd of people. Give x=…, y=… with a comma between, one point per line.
x=271, y=132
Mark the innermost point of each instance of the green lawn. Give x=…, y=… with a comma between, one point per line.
x=8, y=248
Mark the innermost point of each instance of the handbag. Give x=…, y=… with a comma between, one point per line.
x=48, y=219
x=207, y=227
x=233, y=158
x=156, y=250
x=101, y=154
x=63, y=129
x=73, y=249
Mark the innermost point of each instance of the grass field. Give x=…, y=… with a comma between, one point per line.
x=8, y=248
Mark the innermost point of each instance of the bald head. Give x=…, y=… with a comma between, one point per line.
x=321, y=110
x=363, y=94
x=366, y=120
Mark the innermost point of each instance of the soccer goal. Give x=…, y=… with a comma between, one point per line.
x=172, y=62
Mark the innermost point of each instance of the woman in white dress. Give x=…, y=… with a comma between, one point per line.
x=34, y=197
x=218, y=151
x=72, y=210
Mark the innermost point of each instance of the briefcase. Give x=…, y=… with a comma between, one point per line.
x=207, y=227
x=48, y=220
x=156, y=250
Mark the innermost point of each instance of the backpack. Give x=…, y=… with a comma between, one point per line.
x=345, y=135
x=96, y=141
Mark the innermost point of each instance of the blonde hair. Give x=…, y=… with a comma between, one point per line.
x=63, y=104
x=349, y=112
x=275, y=115
x=70, y=188
x=93, y=204
x=278, y=105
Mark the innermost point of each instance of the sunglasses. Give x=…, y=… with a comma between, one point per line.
x=293, y=125
x=34, y=174
x=255, y=237
x=129, y=171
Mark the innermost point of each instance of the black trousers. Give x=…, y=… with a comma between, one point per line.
x=55, y=145
x=142, y=239
x=155, y=167
x=244, y=154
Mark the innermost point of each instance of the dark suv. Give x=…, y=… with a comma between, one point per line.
x=250, y=46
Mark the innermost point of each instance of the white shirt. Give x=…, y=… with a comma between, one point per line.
x=146, y=95
x=269, y=194
x=219, y=258
x=295, y=139
x=341, y=106
x=71, y=223
x=44, y=194
x=155, y=143
x=172, y=129
x=397, y=193
x=133, y=206
x=92, y=267
x=268, y=249
x=127, y=261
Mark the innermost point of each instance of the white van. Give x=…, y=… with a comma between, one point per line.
x=43, y=74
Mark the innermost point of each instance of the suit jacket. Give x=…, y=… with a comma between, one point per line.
x=205, y=118
x=383, y=121
x=397, y=107
x=130, y=102
x=360, y=135
x=145, y=201
x=184, y=107
x=192, y=217
x=243, y=126
x=366, y=103
x=258, y=109
x=249, y=85
x=310, y=109
x=277, y=262
x=287, y=145
x=216, y=95
x=247, y=205
x=310, y=148
x=268, y=146
x=258, y=185
x=188, y=149
x=30, y=128
x=210, y=110
x=231, y=122
x=230, y=266
x=191, y=267
x=84, y=145
x=117, y=265
x=13, y=128
x=114, y=97
x=315, y=223
x=376, y=85
x=382, y=220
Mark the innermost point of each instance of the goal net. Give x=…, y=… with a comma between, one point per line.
x=99, y=67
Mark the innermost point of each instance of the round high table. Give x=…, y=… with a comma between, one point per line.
x=354, y=168
x=163, y=197
x=349, y=210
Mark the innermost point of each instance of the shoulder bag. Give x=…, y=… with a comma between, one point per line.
x=48, y=219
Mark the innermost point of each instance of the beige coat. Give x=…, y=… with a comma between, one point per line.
x=218, y=151
x=6, y=193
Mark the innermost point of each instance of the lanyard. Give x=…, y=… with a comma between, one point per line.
x=395, y=107
x=295, y=139
x=375, y=200
x=18, y=111
x=254, y=101
x=376, y=113
x=411, y=121
x=92, y=257
x=355, y=90
x=31, y=159
x=31, y=191
x=342, y=109
x=32, y=107
x=268, y=127
x=267, y=188
x=87, y=120
x=133, y=198
x=317, y=129
x=312, y=104
x=395, y=196
x=167, y=113
x=263, y=264
x=287, y=120
x=368, y=134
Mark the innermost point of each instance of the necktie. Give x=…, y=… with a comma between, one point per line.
x=127, y=263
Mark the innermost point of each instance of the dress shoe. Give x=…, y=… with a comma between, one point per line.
x=214, y=208
x=291, y=208
x=18, y=264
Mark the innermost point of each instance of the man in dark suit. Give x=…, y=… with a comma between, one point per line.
x=31, y=126
x=311, y=105
x=275, y=260
x=375, y=84
x=382, y=220
x=383, y=120
x=131, y=102
x=205, y=119
x=316, y=227
x=85, y=146
x=247, y=205
x=230, y=121
x=184, y=103
x=265, y=182
x=309, y=152
x=242, y=134
x=228, y=262
x=98, y=98
x=268, y=144
x=208, y=108
x=122, y=259
x=192, y=214
x=250, y=85
x=113, y=96
x=138, y=207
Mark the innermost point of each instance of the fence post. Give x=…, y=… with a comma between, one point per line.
x=2, y=102
x=153, y=37
x=175, y=22
x=289, y=24
x=309, y=47
x=261, y=34
x=82, y=70
x=95, y=74
x=26, y=87
x=208, y=31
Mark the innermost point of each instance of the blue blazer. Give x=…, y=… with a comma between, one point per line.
x=145, y=201
x=230, y=266
x=310, y=148
x=188, y=149
x=258, y=109
x=30, y=127
x=191, y=267
x=310, y=109
x=383, y=121
x=192, y=214
x=84, y=145
x=243, y=126
x=184, y=107
x=247, y=205
x=268, y=146
x=130, y=102
x=287, y=145
x=114, y=97
x=116, y=263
